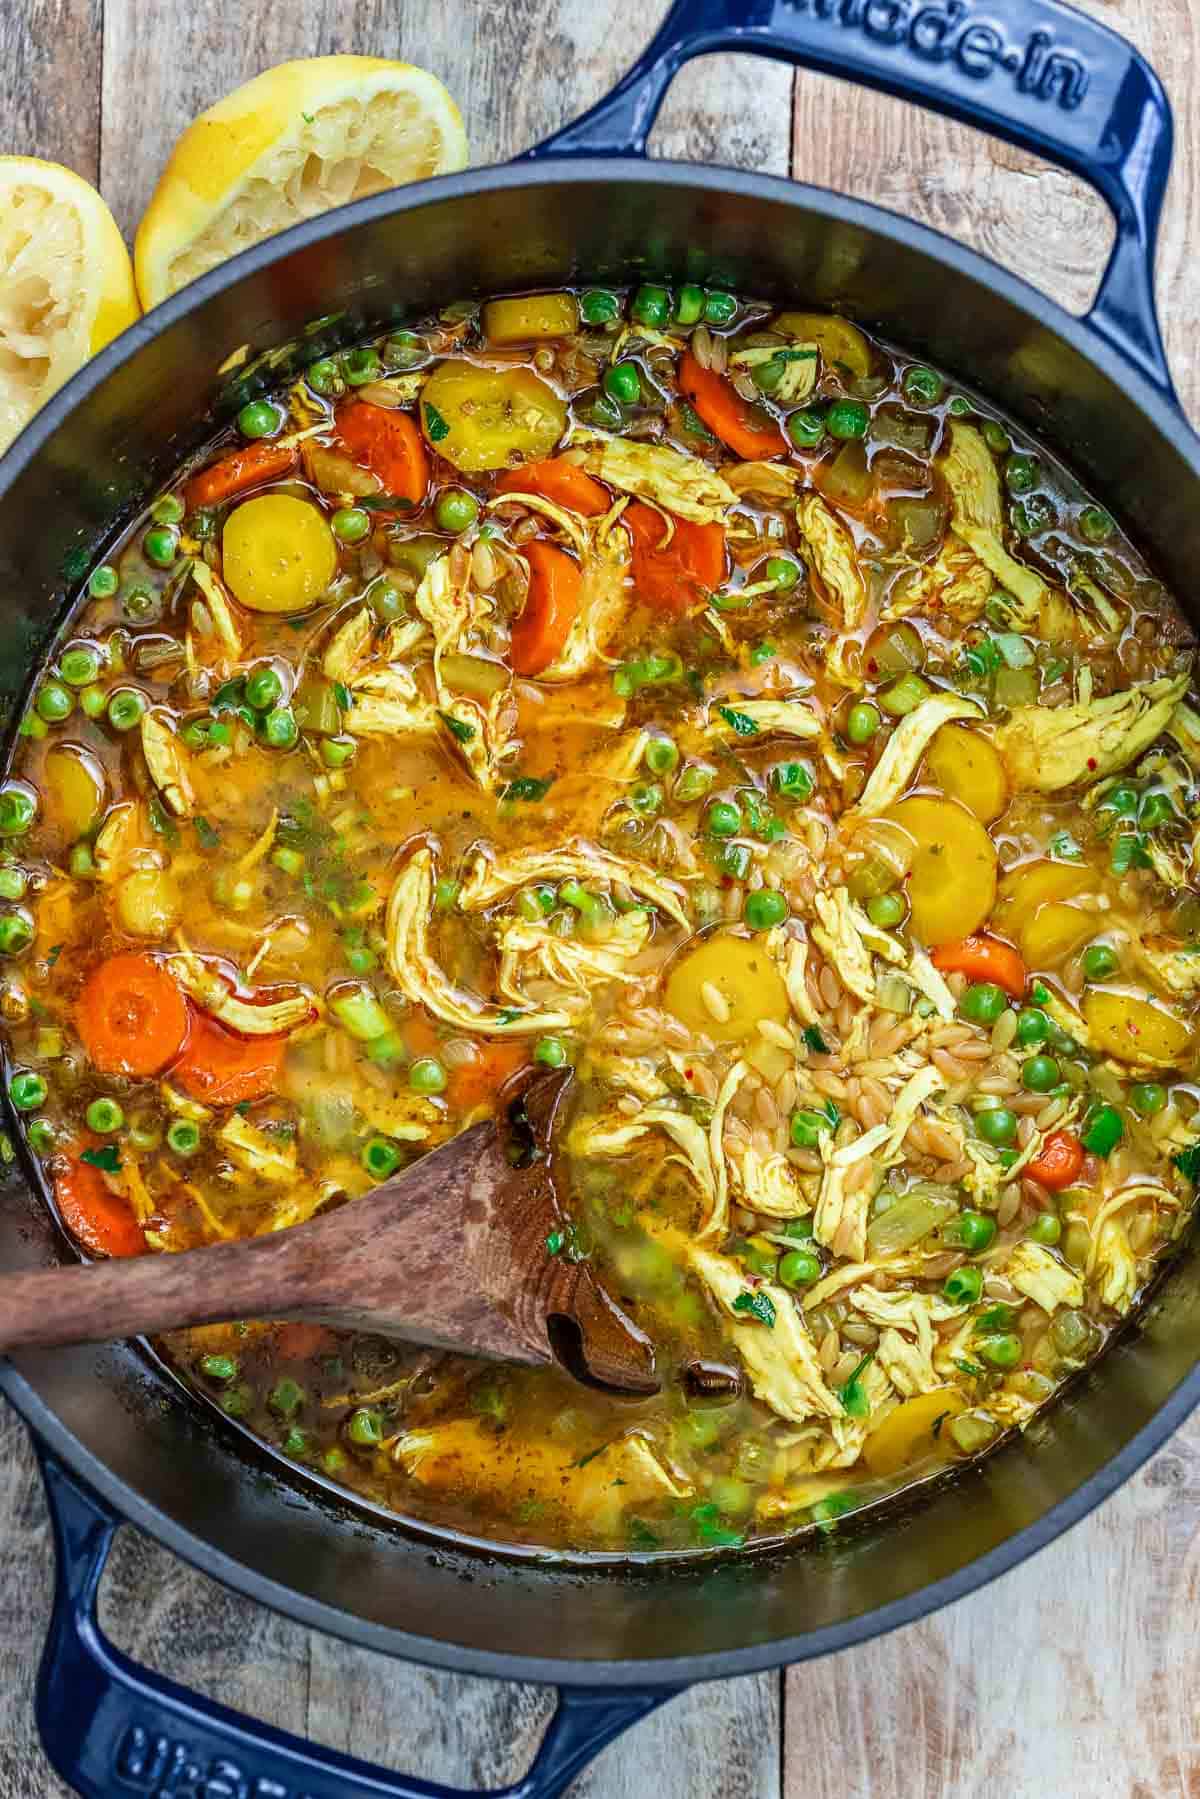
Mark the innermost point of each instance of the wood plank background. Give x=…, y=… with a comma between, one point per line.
x=1073, y=1676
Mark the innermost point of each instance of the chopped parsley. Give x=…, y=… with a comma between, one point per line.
x=854, y=1397
x=555, y=1242
x=53, y=953
x=343, y=696
x=1188, y=1163
x=815, y=1041
x=383, y=502
x=1064, y=848
x=435, y=425
x=457, y=727
x=759, y=1306
x=971, y=1368
x=208, y=835
x=107, y=1158
x=528, y=787
x=509, y=1014
x=710, y=1530
x=740, y=722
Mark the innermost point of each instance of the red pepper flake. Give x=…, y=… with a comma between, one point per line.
x=872, y=666
x=1091, y=762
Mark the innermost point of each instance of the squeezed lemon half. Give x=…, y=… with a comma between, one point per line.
x=292, y=143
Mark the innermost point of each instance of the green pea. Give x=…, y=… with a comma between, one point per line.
x=723, y=819
x=1105, y=1129
x=996, y=437
x=799, y=1268
x=551, y=1052
x=783, y=571
x=847, y=419
x=1096, y=525
x=105, y=1116
x=427, y=1075
x=168, y=509
x=996, y=1125
x=689, y=304
x=922, y=386
x=762, y=652
x=734, y=860
x=387, y=602
x=360, y=959
x=219, y=1367
x=661, y=756
x=16, y=933
x=764, y=909
x=365, y=1427
x=1001, y=1349
x=263, y=688
x=455, y=510
x=862, y=721
x=104, y=582
x=286, y=1397
x=13, y=882
x=79, y=667
x=337, y=751
x=93, y=702
x=806, y=1127
x=18, y=809
x=963, y=1286
x=41, y=1136
x=33, y=726
x=719, y=308
x=54, y=702
x=694, y=781
x=259, y=419
x=886, y=909
x=623, y=383
x=296, y=1443
x=1032, y=1026
x=1033, y=515
x=976, y=1230
x=27, y=1091
x=325, y=378
x=361, y=366
x=1147, y=1098
x=1039, y=1074
x=806, y=428
x=983, y=1002
x=333, y=1461
x=380, y=1158
x=792, y=780
x=647, y=798
x=183, y=1136
x=1046, y=1228
x=279, y=728
x=161, y=546
x=1021, y=474
x=652, y=306
x=1099, y=961
x=598, y=306
x=445, y=895
x=125, y=708
x=350, y=524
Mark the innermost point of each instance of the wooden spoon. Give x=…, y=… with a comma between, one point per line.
x=452, y=1253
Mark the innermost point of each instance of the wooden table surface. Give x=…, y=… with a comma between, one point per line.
x=1073, y=1676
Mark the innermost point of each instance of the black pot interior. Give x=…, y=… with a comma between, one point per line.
x=344, y=1569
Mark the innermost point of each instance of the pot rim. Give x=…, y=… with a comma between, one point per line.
x=129, y=1504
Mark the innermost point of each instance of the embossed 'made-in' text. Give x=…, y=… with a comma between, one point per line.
x=953, y=33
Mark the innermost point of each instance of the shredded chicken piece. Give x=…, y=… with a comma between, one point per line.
x=788, y=718
x=417, y=974
x=956, y=583
x=780, y=1358
x=899, y=762
x=1048, y=748
x=493, y=878
x=1035, y=1271
x=1115, y=1266
x=220, y=611
x=846, y=938
x=167, y=761
x=681, y=483
x=268, y=1158
x=1173, y=965
x=211, y=991
x=528, y=949
x=828, y=550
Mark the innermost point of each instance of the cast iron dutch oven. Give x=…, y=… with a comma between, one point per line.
x=119, y=1438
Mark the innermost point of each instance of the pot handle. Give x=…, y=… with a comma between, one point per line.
x=111, y=1726
x=1034, y=71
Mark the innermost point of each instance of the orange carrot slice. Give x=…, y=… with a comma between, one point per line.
x=749, y=430
x=98, y=1220
x=551, y=606
x=562, y=482
x=673, y=577
x=984, y=958
x=131, y=1016
x=389, y=444
x=221, y=1069
x=244, y=468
